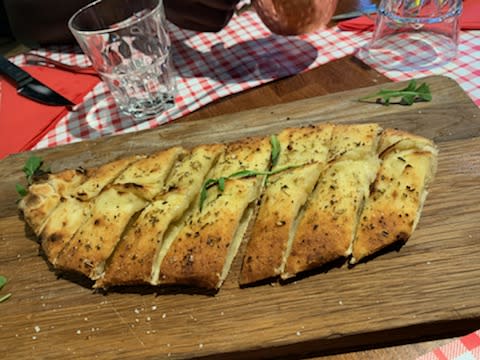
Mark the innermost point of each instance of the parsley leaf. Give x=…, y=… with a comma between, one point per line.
x=31, y=169
x=406, y=96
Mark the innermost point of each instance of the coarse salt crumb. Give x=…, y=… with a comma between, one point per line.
x=136, y=311
x=79, y=332
x=222, y=313
x=298, y=333
x=37, y=329
x=34, y=337
x=164, y=315
x=149, y=318
x=154, y=307
x=200, y=346
x=136, y=320
x=85, y=318
x=168, y=345
x=340, y=302
x=429, y=262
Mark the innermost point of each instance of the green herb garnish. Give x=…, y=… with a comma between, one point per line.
x=3, y=281
x=220, y=182
x=406, y=96
x=32, y=170
x=275, y=149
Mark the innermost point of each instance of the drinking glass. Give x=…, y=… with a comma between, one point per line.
x=128, y=44
x=414, y=34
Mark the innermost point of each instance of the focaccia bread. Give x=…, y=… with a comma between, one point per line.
x=297, y=201
x=393, y=209
x=44, y=197
x=136, y=258
x=328, y=224
x=306, y=149
x=204, y=249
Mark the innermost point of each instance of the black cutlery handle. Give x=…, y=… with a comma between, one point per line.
x=13, y=71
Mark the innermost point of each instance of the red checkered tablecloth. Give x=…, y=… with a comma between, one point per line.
x=464, y=348
x=241, y=56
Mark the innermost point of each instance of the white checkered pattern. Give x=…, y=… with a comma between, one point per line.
x=243, y=55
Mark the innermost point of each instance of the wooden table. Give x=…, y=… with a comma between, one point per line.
x=340, y=75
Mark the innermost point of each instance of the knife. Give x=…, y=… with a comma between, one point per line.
x=30, y=87
x=367, y=10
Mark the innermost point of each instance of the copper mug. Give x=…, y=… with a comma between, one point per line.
x=295, y=17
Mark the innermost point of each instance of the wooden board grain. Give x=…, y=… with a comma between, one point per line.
x=431, y=281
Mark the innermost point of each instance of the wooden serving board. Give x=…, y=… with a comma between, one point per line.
x=430, y=286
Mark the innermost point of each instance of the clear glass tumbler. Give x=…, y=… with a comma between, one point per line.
x=128, y=44
x=414, y=34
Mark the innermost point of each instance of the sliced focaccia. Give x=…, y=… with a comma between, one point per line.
x=204, y=249
x=327, y=226
x=44, y=197
x=202, y=253
x=393, y=208
x=96, y=239
x=100, y=177
x=136, y=256
x=62, y=225
x=284, y=196
x=146, y=176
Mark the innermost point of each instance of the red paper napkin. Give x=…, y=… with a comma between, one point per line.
x=24, y=122
x=469, y=20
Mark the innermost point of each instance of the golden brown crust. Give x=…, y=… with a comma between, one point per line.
x=326, y=230
x=283, y=198
x=44, y=197
x=197, y=256
x=327, y=226
x=285, y=195
x=100, y=177
x=395, y=203
x=96, y=239
x=146, y=177
x=202, y=252
x=62, y=225
x=135, y=256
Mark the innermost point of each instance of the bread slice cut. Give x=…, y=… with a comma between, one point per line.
x=136, y=256
x=204, y=249
x=43, y=197
x=146, y=177
x=96, y=239
x=327, y=226
x=284, y=196
x=275, y=223
x=209, y=238
x=393, y=208
x=100, y=177
x=62, y=225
